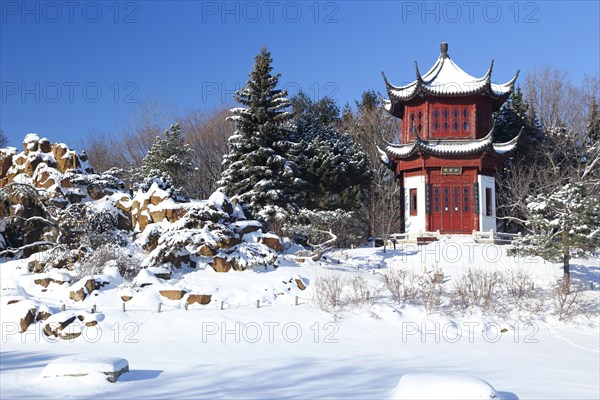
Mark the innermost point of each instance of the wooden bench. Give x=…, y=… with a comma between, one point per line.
x=425, y=240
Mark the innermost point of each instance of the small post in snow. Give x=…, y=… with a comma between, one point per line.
x=296, y=301
x=159, y=307
x=62, y=308
x=222, y=303
x=186, y=306
x=123, y=306
x=257, y=303
x=93, y=309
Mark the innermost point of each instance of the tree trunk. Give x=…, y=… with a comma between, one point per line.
x=566, y=267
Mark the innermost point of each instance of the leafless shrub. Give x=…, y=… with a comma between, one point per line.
x=477, y=288
x=572, y=304
x=401, y=285
x=328, y=290
x=518, y=292
x=108, y=255
x=359, y=291
x=517, y=284
x=431, y=293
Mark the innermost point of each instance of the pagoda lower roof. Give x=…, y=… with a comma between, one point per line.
x=448, y=148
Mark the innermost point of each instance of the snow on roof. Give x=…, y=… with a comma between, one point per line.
x=383, y=156
x=443, y=147
x=507, y=147
x=446, y=78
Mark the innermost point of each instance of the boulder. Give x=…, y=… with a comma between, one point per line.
x=300, y=282
x=172, y=294
x=205, y=251
x=143, y=219
x=44, y=145
x=58, y=322
x=124, y=204
x=163, y=275
x=199, y=299
x=27, y=320
x=96, y=192
x=173, y=214
x=70, y=335
x=124, y=221
x=42, y=282
x=228, y=242
x=126, y=298
x=157, y=198
x=221, y=264
x=90, y=285
x=177, y=260
x=157, y=215
x=272, y=241
x=245, y=227
x=35, y=266
x=78, y=295
x=43, y=315
x=74, y=366
x=6, y=160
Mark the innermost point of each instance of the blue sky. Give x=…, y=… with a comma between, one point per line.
x=68, y=70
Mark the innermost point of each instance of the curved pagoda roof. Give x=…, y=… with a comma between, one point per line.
x=449, y=148
x=446, y=79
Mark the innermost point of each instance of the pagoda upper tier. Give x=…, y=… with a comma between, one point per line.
x=447, y=80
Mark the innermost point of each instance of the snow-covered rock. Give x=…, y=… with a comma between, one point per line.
x=74, y=366
x=443, y=386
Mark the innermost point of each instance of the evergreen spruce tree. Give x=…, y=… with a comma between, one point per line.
x=513, y=116
x=324, y=111
x=565, y=223
x=333, y=165
x=257, y=172
x=169, y=159
x=336, y=171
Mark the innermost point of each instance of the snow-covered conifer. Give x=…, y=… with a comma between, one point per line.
x=169, y=155
x=258, y=173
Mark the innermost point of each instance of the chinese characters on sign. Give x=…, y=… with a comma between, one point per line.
x=451, y=170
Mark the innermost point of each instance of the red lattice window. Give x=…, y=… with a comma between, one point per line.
x=465, y=120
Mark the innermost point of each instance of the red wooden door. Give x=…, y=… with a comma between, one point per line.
x=451, y=208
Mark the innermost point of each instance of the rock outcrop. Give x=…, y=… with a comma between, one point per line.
x=211, y=231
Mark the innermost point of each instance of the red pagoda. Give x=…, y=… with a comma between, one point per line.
x=447, y=159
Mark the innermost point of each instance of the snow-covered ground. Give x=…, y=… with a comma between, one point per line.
x=283, y=350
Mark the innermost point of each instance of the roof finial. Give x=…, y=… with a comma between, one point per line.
x=444, y=49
